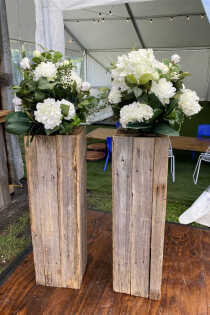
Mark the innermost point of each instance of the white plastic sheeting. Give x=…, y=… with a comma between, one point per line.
x=199, y=211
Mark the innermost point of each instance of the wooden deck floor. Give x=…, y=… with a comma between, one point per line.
x=185, y=290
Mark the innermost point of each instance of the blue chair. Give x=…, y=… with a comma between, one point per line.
x=109, y=151
x=117, y=125
x=203, y=131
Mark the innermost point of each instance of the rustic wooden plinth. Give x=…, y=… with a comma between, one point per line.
x=140, y=171
x=56, y=169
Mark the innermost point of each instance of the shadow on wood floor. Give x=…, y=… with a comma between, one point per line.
x=185, y=289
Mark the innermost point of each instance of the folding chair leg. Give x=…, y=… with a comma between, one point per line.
x=197, y=171
x=173, y=173
x=106, y=162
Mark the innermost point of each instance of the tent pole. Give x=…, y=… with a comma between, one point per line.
x=83, y=47
x=130, y=13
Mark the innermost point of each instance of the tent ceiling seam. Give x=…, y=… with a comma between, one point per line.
x=136, y=28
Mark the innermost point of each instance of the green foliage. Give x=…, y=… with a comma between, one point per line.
x=18, y=123
x=165, y=129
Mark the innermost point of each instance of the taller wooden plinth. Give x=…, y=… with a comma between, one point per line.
x=140, y=172
x=56, y=172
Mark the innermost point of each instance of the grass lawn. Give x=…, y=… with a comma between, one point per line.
x=181, y=194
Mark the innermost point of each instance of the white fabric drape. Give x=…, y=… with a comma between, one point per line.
x=49, y=26
x=199, y=211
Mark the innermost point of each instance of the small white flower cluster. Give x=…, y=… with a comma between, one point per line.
x=164, y=90
x=175, y=58
x=25, y=63
x=45, y=69
x=135, y=112
x=189, y=102
x=49, y=113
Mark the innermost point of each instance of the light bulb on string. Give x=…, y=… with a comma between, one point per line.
x=188, y=18
x=103, y=20
x=171, y=19
x=99, y=14
x=202, y=16
x=110, y=12
x=151, y=20
x=127, y=20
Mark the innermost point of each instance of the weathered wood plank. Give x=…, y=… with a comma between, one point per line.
x=16, y=171
x=4, y=184
x=56, y=170
x=122, y=185
x=158, y=215
x=3, y=114
x=141, y=214
x=5, y=79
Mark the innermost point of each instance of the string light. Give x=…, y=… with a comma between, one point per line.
x=127, y=19
x=188, y=18
x=110, y=12
x=103, y=20
x=77, y=21
x=171, y=19
x=151, y=21
x=202, y=16
x=99, y=14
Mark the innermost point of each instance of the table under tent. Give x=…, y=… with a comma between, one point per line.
x=96, y=32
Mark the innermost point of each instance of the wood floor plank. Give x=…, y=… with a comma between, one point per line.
x=185, y=290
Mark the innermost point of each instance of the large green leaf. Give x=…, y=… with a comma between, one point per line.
x=154, y=101
x=18, y=123
x=165, y=129
x=44, y=84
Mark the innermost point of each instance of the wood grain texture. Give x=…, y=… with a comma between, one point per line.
x=158, y=215
x=56, y=169
x=185, y=289
x=4, y=184
x=122, y=203
x=141, y=214
x=139, y=193
x=3, y=114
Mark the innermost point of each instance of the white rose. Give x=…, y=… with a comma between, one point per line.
x=175, y=58
x=25, y=63
x=85, y=86
x=49, y=113
x=45, y=69
x=164, y=90
x=189, y=102
x=17, y=102
x=135, y=112
x=71, y=112
x=36, y=53
x=162, y=67
x=114, y=96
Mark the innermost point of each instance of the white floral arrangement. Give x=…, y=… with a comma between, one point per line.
x=51, y=99
x=149, y=95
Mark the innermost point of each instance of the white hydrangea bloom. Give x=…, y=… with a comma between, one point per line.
x=72, y=111
x=36, y=53
x=17, y=102
x=49, y=113
x=45, y=69
x=189, y=102
x=137, y=63
x=114, y=95
x=85, y=86
x=135, y=112
x=175, y=58
x=164, y=90
x=25, y=63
